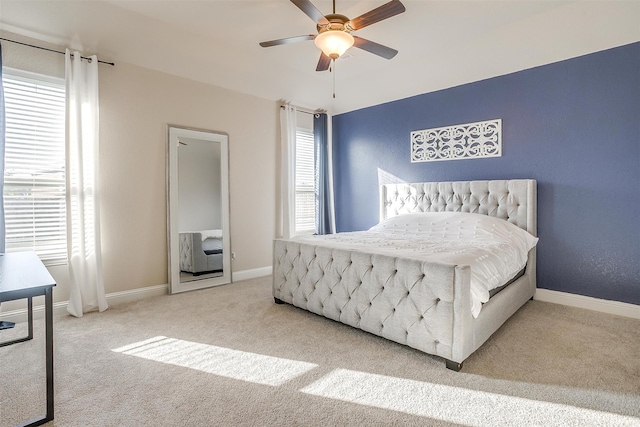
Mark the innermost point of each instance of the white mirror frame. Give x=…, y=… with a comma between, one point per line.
x=174, y=134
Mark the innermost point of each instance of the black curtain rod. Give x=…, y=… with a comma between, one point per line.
x=304, y=111
x=52, y=50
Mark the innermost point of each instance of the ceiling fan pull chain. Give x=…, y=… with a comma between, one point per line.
x=333, y=71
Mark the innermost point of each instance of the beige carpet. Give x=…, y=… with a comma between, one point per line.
x=229, y=356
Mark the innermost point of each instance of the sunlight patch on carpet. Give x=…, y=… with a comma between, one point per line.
x=235, y=364
x=454, y=404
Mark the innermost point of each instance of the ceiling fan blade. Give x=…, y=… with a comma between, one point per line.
x=373, y=47
x=311, y=11
x=385, y=11
x=287, y=40
x=323, y=63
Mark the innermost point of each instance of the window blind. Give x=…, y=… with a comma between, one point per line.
x=305, y=182
x=34, y=188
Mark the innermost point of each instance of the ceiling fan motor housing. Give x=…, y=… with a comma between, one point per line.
x=337, y=22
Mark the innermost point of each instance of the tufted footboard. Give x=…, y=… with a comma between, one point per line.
x=408, y=301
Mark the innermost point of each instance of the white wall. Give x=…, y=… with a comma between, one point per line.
x=136, y=104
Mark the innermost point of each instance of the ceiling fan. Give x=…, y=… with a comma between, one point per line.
x=334, y=31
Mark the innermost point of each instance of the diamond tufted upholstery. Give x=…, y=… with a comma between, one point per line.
x=407, y=301
x=506, y=199
x=421, y=304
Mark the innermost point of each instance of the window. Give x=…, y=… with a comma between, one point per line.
x=305, y=182
x=34, y=186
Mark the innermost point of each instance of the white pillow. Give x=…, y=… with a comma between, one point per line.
x=211, y=234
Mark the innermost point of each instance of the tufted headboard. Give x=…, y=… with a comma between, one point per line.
x=513, y=200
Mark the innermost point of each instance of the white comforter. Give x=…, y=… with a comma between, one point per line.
x=496, y=250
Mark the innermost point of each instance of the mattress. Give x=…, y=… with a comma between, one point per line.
x=494, y=249
x=212, y=246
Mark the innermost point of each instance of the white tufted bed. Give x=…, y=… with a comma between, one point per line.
x=408, y=291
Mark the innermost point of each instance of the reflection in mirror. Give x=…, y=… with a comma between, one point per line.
x=199, y=211
x=198, y=217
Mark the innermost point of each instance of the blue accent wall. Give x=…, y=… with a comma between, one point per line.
x=574, y=126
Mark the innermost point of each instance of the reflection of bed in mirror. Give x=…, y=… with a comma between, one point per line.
x=201, y=252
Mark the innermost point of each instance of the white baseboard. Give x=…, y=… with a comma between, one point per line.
x=602, y=305
x=132, y=295
x=114, y=298
x=252, y=274
x=122, y=297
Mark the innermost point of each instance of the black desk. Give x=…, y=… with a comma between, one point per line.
x=23, y=276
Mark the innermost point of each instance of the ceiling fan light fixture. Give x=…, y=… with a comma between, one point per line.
x=334, y=43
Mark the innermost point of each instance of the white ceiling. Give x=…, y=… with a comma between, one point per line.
x=441, y=43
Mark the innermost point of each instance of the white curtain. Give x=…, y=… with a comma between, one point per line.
x=287, y=170
x=83, y=201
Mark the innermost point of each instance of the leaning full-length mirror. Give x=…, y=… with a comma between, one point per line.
x=197, y=209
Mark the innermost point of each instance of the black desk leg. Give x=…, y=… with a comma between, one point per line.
x=48, y=303
x=30, y=317
x=48, y=332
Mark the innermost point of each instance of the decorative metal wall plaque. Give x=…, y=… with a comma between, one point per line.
x=467, y=141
